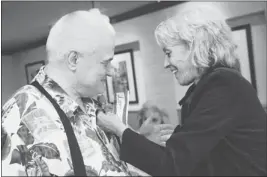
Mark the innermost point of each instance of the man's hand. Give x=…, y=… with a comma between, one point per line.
x=158, y=134
x=111, y=123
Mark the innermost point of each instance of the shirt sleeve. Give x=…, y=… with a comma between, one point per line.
x=213, y=118
x=16, y=137
x=11, y=159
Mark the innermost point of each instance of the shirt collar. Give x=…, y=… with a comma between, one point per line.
x=66, y=103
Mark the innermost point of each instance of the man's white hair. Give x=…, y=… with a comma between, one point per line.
x=204, y=31
x=80, y=31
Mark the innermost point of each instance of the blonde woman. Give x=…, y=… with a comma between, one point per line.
x=150, y=116
x=223, y=131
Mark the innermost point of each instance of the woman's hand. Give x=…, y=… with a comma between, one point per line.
x=158, y=134
x=111, y=123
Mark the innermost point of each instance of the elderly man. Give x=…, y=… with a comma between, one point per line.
x=223, y=131
x=49, y=127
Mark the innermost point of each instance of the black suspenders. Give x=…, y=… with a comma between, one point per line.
x=76, y=155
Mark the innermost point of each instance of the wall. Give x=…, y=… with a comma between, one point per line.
x=259, y=48
x=25, y=57
x=8, y=75
x=156, y=83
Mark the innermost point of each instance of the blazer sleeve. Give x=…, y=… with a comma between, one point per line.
x=214, y=117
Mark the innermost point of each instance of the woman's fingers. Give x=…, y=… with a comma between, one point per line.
x=166, y=127
x=166, y=132
x=148, y=121
x=164, y=138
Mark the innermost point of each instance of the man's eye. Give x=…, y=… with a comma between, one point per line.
x=105, y=63
x=168, y=54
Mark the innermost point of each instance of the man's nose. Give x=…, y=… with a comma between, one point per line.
x=166, y=62
x=110, y=70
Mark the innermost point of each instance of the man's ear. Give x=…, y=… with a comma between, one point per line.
x=72, y=60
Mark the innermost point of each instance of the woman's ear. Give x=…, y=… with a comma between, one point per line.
x=72, y=60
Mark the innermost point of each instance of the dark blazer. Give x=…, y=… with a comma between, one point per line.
x=223, y=132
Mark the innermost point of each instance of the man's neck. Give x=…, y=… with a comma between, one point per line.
x=65, y=82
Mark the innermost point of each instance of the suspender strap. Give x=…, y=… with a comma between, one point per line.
x=76, y=155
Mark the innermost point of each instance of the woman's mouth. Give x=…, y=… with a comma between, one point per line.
x=174, y=71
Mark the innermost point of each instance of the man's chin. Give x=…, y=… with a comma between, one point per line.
x=93, y=92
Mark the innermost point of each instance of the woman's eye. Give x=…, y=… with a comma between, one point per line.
x=154, y=120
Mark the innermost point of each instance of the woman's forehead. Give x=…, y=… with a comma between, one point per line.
x=150, y=112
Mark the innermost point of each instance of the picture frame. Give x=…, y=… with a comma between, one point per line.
x=127, y=57
x=243, y=39
x=32, y=69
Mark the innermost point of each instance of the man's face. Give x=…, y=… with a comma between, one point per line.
x=177, y=59
x=92, y=70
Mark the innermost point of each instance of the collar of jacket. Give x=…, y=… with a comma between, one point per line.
x=190, y=90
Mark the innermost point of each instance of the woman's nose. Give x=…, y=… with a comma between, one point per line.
x=166, y=62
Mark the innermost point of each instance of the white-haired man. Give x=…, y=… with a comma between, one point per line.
x=49, y=127
x=223, y=131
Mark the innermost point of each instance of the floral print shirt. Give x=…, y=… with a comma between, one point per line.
x=32, y=128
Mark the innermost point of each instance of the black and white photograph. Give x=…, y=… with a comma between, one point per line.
x=124, y=61
x=133, y=88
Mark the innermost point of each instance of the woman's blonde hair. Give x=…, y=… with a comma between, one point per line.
x=203, y=31
x=153, y=107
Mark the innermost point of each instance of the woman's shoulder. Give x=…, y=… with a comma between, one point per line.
x=225, y=80
x=225, y=73
x=228, y=77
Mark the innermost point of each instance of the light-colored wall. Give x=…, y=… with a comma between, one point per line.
x=259, y=48
x=23, y=58
x=156, y=83
x=8, y=75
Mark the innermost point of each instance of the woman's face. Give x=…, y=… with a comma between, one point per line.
x=178, y=61
x=154, y=116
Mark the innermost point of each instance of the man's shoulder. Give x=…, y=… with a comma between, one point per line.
x=22, y=99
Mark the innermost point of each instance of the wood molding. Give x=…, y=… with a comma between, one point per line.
x=145, y=9
x=247, y=28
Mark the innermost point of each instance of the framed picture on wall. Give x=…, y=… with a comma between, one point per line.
x=124, y=58
x=32, y=69
x=243, y=39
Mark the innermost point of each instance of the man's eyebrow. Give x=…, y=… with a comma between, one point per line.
x=166, y=50
x=107, y=61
